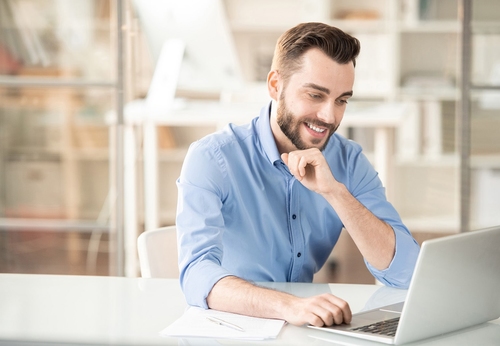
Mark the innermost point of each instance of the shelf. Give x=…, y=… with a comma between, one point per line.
x=90, y=154
x=352, y=26
x=372, y=26
x=452, y=160
x=45, y=82
x=431, y=26
x=257, y=28
x=486, y=27
x=21, y=224
x=27, y=153
x=46, y=154
x=445, y=161
x=429, y=93
x=485, y=161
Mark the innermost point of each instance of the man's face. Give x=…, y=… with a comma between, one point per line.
x=312, y=104
x=290, y=124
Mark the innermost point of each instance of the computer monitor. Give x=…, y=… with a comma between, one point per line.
x=210, y=63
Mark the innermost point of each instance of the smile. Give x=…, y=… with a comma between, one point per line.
x=314, y=128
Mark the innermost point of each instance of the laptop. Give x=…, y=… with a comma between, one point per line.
x=455, y=285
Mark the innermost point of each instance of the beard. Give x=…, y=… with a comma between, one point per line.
x=290, y=125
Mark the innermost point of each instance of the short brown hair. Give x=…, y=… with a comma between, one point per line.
x=341, y=47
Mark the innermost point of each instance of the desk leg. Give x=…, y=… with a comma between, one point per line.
x=130, y=205
x=150, y=176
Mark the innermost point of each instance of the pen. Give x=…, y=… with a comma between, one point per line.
x=224, y=323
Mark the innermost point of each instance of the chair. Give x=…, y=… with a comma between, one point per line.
x=157, y=251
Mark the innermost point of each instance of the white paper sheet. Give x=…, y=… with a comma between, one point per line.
x=194, y=323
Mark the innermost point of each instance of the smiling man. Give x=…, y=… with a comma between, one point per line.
x=267, y=201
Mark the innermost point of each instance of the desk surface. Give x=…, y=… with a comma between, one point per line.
x=132, y=311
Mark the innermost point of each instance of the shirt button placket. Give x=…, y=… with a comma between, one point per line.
x=294, y=217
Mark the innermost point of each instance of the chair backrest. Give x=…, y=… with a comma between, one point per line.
x=158, y=253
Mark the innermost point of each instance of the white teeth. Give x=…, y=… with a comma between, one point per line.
x=317, y=129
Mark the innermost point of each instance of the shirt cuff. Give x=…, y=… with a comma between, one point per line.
x=199, y=280
x=400, y=270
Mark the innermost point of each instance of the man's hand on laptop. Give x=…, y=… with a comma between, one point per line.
x=321, y=310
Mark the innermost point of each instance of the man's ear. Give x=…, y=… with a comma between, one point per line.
x=272, y=84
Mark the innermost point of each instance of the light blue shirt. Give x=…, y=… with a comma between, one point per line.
x=241, y=212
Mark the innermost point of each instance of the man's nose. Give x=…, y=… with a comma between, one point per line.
x=327, y=112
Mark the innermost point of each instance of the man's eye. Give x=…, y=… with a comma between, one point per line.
x=315, y=96
x=343, y=102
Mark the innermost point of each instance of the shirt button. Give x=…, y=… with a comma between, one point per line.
x=294, y=216
x=299, y=254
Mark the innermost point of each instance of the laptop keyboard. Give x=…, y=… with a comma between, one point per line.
x=387, y=327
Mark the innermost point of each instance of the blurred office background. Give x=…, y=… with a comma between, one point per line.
x=77, y=183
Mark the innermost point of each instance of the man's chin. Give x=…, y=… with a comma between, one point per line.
x=318, y=144
x=321, y=146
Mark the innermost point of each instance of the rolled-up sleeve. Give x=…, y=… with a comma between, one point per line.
x=400, y=270
x=200, y=223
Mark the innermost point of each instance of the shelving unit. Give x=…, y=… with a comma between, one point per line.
x=56, y=82
x=480, y=110
x=46, y=133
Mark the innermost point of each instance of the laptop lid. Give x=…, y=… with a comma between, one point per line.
x=456, y=284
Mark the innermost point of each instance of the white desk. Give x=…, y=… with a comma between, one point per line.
x=47, y=309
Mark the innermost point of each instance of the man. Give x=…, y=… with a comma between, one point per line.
x=267, y=201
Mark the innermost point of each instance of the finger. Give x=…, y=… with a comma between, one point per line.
x=315, y=320
x=330, y=314
x=297, y=163
x=284, y=157
x=293, y=164
x=323, y=307
x=326, y=316
x=324, y=310
x=302, y=166
x=338, y=309
x=343, y=306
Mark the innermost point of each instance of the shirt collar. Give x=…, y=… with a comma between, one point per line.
x=266, y=135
